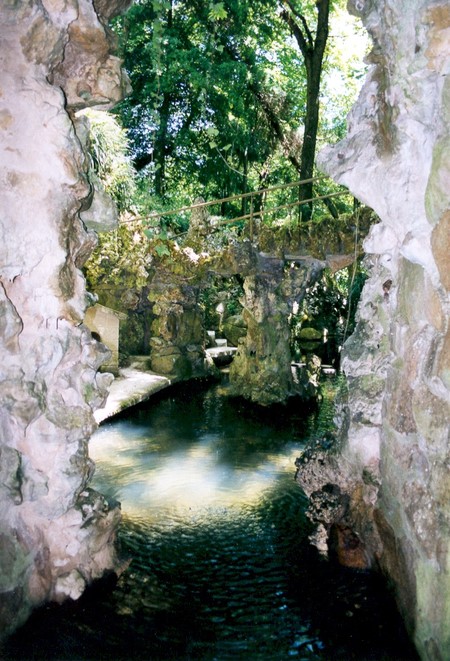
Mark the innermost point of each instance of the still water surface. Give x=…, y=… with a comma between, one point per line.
x=215, y=527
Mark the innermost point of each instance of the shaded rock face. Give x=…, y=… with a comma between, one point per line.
x=395, y=445
x=234, y=329
x=177, y=342
x=55, y=532
x=178, y=336
x=261, y=371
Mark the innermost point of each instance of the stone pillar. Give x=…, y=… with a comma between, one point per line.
x=396, y=159
x=261, y=371
x=56, y=533
x=199, y=226
x=177, y=345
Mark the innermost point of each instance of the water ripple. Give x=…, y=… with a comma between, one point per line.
x=216, y=530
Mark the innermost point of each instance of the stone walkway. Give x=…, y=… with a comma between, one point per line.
x=131, y=387
x=136, y=384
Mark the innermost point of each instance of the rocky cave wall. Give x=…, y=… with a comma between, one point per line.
x=55, y=532
x=395, y=457
x=177, y=342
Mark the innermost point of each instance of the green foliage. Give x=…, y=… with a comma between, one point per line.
x=118, y=269
x=219, y=94
x=109, y=152
x=217, y=12
x=344, y=70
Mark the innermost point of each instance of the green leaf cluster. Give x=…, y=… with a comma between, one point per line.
x=220, y=93
x=111, y=163
x=119, y=266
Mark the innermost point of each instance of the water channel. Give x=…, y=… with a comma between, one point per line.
x=215, y=528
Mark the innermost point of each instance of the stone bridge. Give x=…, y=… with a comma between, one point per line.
x=277, y=268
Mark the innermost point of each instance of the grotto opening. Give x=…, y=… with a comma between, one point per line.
x=57, y=534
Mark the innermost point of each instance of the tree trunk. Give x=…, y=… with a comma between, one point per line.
x=161, y=143
x=313, y=50
x=160, y=146
x=244, y=187
x=308, y=153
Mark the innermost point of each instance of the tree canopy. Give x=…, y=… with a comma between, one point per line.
x=226, y=95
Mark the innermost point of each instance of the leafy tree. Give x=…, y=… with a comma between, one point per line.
x=191, y=104
x=221, y=91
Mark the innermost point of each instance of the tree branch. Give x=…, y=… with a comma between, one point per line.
x=275, y=125
x=306, y=43
x=297, y=32
x=323, y=12
x=271, y=116
x=299, y=15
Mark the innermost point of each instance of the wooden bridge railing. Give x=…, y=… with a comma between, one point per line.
x=262, y=211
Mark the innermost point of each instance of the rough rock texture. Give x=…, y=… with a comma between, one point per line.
x=234, y=329
x=55, y=532
x=177, y=344
x=178, y=337
x=394, y=462
x=261, y=370
x=277, y=270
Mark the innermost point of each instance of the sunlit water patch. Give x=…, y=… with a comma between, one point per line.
x=214, y=525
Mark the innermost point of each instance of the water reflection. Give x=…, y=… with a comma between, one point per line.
x=216, y=529
x=185, y=477
x=191, y=450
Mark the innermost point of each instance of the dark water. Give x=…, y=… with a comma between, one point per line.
x=221, y=567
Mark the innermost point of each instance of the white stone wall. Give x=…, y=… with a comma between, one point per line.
x=396, y=159
x=55, y=533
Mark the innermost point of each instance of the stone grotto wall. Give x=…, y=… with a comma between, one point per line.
x=55, y=532
x=394, y=461
x=261, y=370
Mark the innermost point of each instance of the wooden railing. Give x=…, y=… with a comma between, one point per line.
x=253, y=212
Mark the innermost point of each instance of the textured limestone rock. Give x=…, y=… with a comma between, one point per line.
x=98, y=211
x=395, y=455
x=88, y=73
x=177, y=345
x=277, y=269
x=261, y=370
x=234, y=329
x=56, y=534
